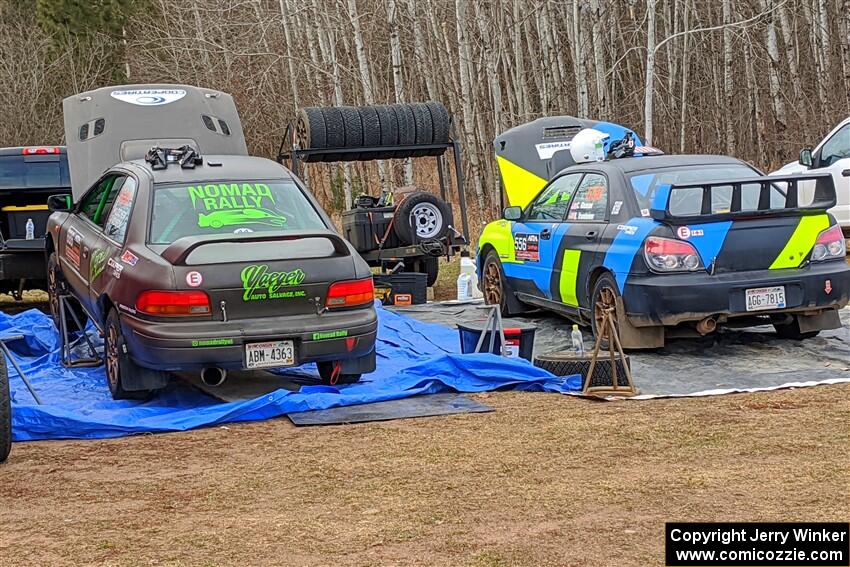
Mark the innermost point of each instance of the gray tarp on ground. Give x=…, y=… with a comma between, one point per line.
x=732, y=359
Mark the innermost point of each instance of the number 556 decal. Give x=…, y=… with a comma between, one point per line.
x=527, y=247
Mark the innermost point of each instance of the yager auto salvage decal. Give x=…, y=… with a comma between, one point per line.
x=259, y=283
x=148, y=97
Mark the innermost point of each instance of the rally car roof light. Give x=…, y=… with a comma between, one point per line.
x=160, y=158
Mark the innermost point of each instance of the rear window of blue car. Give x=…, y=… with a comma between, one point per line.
x=226, y=207
x=689, y=202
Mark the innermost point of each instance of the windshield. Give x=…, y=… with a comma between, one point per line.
x=38, y=172
x=689, y=201
x=230, y=208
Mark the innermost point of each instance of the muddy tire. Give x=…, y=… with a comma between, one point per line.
x=118, y=363
x=604, y=296
x=497, y=290
x=791, y=331
x=5, y=411
x=421, y=217
x=56, y=281
x=326, y=370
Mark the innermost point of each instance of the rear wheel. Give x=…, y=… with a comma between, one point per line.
x=5, y=412
x=326, y=373
x=118, y=363
x=605, y=294
x=792, y=331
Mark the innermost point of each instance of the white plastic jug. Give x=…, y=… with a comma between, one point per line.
x=467, y=266
x=464, y=293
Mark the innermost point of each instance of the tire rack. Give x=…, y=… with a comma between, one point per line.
x=454, y=242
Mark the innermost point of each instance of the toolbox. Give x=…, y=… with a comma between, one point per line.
x=404, y=288
x=365, y=227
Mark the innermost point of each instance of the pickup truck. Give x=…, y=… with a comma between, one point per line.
x=831, y=155
x=28, y=175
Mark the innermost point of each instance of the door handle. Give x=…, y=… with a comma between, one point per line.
x=590, y=234
x=546, y=234
x=85, y=252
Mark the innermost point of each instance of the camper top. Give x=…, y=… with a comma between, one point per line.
x=111, y=125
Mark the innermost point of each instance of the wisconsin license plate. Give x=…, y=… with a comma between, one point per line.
x=269, y=355
x=762, y=298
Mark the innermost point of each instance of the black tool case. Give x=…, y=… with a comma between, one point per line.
x=366, y=227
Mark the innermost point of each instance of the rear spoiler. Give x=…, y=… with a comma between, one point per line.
x=179, y=250
x=787, y=185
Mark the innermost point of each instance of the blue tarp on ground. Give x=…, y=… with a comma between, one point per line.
x=413, y=358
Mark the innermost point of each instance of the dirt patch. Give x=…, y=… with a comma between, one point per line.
x=544, y=480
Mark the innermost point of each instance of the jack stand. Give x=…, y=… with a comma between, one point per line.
x=20, y=372
x=607, y=328
x=93, y=359
x=492, y=326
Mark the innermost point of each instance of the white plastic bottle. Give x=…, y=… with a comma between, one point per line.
x=467, y=266
x=30, y=229
x=577, y=340
x=464, y=293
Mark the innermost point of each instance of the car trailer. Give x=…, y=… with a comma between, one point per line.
x=415, y=230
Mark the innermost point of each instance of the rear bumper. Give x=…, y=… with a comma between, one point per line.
x=676, y=298
x=176, y=346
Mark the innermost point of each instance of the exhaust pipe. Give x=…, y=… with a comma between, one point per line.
x=707, y=325
x=213, y=376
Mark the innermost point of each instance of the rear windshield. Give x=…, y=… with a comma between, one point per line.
x=689, y=202
x=36, y=172
x=229, y=207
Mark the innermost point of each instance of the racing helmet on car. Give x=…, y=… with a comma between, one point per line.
x=588, y=145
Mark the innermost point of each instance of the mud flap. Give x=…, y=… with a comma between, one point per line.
x=362, y=365
x=135, y=378
x=823, y=321
x=632, y=337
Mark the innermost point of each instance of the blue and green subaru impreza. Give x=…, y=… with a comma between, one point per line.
x=675, y=244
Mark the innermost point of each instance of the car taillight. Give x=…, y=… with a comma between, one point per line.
x=40, y=150
x=829, y=245
x=173, y=303
x=350, y=293
x=668, y=255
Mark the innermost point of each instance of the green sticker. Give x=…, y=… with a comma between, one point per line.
x=259, y=283
x=211, y=342
x=218, y=219
x=229, y=204
x=329, y=335
x=98, y=263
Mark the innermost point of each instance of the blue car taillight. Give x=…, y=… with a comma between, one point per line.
x=669, y=255
x=829, y=245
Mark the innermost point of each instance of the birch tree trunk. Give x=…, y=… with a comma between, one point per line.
x=466, y=98
x=686, y=55
x=773, y=64
x=728, y=85
x=398, y=75
x=580, y=62
x=650, y=71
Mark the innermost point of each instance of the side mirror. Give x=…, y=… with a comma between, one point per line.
x=59, y=203
x=806, y=157
x=512, y=213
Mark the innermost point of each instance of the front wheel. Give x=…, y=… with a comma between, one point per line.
x=118, y=363
x=326, y=373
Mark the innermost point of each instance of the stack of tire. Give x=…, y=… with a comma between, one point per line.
x=356, y=128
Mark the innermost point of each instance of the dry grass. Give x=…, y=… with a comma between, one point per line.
x=544, y=480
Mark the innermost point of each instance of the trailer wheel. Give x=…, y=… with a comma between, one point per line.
x=428, y=265
x=5, y=411
x=353, y=130
x=371, y=126
x=421, y=216
x=310, y=130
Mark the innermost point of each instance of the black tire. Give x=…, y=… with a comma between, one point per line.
x=55, y=281
x=406, y=127
x=428, y=265
x=353, y=131
x=605, y=290
x=5, y=412
x=371, y=126
x=334, y=127
x=431, y=214
x=567, y=364
x=310, y=131
x=118, y=363
x=389, y=129
x=496, y=288
x=791, y=331
x=424, y=127
x=440, y=122
x=326, y=370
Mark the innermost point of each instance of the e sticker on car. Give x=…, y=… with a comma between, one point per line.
x=527, y=247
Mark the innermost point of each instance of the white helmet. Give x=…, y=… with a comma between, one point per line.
x=588, y=145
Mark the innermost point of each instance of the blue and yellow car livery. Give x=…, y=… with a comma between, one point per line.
x=684, y=242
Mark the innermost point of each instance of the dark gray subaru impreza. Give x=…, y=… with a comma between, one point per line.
x=187, y=261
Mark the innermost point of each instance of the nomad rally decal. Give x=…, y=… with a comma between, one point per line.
x=229, y=204
x=259, y=283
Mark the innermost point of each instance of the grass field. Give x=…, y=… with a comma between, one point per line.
x=545, y=480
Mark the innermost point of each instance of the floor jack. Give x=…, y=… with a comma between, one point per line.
x=94, y=359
